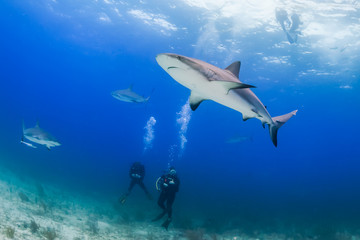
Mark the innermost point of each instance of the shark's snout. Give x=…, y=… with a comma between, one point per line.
x=168, y=57
x=115, y=94
x=160, y=55
x=163, y=60
x=169, y=60
x=163, y=57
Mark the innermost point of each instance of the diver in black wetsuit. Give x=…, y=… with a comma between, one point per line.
x=168, y=184
x=290, y=28
x=137, y=174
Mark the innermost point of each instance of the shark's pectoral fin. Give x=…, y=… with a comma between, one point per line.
x=238, y=86
x=232, y=85
x=195, y=100
x=245, y=117
x=48, y=147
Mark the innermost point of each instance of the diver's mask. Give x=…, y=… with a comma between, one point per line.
x=172, y=171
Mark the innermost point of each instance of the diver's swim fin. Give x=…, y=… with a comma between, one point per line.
x=166, y=223
x=122, y=200
x=159, y=217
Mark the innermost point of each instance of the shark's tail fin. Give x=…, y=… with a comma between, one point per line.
x=23, y=130
x=278, y=122
x=152, y=91
x=23, y=125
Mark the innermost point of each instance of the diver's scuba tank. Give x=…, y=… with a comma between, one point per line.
x=159, y=183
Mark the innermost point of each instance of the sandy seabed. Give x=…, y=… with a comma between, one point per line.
x=30, y=210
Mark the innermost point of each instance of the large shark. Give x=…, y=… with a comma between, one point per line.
x=127, y=95
x=208, y=82
x=38, y=135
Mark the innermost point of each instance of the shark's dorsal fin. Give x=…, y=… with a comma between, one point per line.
x=234, y=68
x=195, y=100
x=131, y=87
x=37, y=124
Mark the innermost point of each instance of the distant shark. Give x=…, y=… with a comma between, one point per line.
x=239, y=139
x=208, y=82
x=127, y=95
x=39, y=136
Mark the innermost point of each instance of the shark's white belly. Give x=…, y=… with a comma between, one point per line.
x=229, y=99
x=41, y=141
x=214, y=90
x=35, y=140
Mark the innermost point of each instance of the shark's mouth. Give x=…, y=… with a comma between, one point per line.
x=171, y=67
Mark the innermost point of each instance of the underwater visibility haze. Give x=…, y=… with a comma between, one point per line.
x=89, y=87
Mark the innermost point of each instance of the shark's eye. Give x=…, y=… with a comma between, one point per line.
x=210, y=73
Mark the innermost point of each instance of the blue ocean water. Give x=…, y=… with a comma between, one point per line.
x=60, y=60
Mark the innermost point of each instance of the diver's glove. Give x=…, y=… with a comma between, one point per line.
x=172, y=182
x=165, y=185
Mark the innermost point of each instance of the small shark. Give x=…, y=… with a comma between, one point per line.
x=38, y=135
x=127, y=95
x=239, y=139
x=208, y=82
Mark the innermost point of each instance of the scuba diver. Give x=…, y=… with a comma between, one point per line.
x=282, y=18
x=137, y=174
x=168, y=184
x=290, y=27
